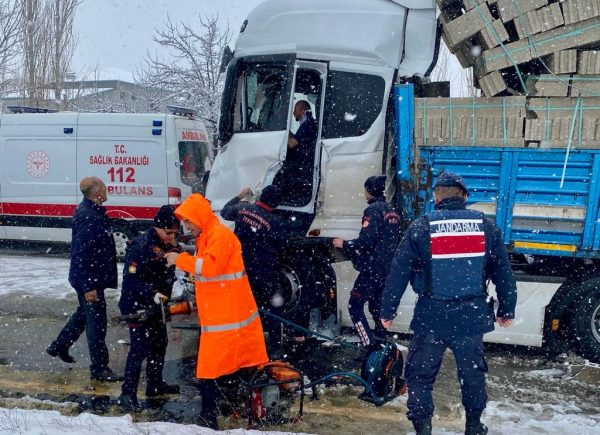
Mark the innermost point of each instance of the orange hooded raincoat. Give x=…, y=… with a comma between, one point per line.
x=231, y=333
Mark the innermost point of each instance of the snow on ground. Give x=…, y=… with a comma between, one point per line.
x=541, y=411
x=43, y=276
x=36, y=422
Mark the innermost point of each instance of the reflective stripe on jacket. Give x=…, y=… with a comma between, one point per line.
x=232, y=334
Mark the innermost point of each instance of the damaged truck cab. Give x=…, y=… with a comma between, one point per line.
x=343, y=60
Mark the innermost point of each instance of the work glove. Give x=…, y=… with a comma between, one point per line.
x=159, y=298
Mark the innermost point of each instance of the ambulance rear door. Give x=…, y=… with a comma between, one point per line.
x=38, y=176
x=189, y=160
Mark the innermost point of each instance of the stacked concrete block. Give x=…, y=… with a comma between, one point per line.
x=575, y=11
x=558, y=122
x=562, y=62
x=546, y=51
x=522, y=38
x=588, y=62
x=470, y=121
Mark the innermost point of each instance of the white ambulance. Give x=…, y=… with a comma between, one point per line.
x=146, y=161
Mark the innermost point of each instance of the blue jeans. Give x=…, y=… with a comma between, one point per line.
x=90, y=317
x=425, y=354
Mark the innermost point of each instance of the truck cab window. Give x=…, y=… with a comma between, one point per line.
x=352, y=103
x=261, y=100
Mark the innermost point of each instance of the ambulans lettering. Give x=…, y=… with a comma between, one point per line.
x=130, y=190
x=193, y=135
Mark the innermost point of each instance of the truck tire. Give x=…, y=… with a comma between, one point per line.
x=586, y=325
x=122, y=235
x=298, y=285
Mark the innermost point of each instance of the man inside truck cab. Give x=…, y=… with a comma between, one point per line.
x=448, y=256
x=296, y=174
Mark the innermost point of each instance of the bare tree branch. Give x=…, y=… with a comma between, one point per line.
x=189, y=73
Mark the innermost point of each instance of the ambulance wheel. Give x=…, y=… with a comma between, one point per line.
x=586, y=325
x=122, y=234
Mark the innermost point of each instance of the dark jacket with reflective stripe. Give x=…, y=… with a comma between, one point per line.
x=144, y=273
x=372, y=251
x=448, y=318
x=93, y=257
x=261, y=233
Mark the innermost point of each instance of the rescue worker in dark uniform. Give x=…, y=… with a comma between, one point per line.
x=261, y=233
x=371, y=254
x=448, y=256
x=147, y=285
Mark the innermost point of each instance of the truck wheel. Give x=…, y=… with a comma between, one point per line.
x=586, y=321
x=122, y=235
x=327, y=285
x=298, y=285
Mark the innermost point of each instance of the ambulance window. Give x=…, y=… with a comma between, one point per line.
x=352, y=103
x=193, y=161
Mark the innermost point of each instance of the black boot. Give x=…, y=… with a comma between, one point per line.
x=474, y=426
x=423, y=426
x=106, y=375
x=129, y=403
x=63, y=354
x=161, y=390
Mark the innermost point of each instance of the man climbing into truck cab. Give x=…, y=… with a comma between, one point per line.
x=295, y=177
x=448, y=255
x=262, y=234
x=371, y=254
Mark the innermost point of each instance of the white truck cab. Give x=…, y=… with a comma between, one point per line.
x=331, y=57
x=146, y=161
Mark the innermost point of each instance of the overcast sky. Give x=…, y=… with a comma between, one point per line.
x=115, y=34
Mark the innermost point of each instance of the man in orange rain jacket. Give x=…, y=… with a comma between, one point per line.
x=231, y=333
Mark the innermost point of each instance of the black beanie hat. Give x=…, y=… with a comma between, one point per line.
x=375, y=185
x=271, y=195
x=165, y=218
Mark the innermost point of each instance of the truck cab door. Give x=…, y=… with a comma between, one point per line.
x=253, y=126
x=299, y=176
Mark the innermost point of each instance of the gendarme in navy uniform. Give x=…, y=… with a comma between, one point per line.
x=448, y=256
x=147, y=285
x=371, y=254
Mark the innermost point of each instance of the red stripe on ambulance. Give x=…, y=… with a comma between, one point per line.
x=67, y=210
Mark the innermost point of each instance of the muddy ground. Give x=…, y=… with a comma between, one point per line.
x=525, y=388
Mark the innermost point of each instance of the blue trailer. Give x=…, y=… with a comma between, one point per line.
x=545, y=202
